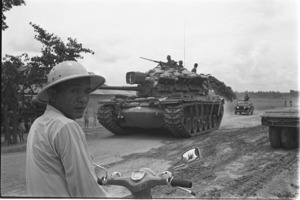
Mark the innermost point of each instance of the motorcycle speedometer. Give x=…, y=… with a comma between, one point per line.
x=137, y=175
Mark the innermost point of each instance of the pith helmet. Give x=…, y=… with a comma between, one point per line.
x=66, y=71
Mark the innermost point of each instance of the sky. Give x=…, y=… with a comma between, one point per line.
x=250, y=45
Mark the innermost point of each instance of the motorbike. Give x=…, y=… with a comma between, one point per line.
x=141, y=181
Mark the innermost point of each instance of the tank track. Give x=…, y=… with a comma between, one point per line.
x=107, y=119
x=173, y=117
x=184, y=126
x=179, y=120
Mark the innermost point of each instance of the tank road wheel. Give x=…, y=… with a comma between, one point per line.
x=194, y=125
x=188, y=124
x=205, y=122
x=214, y=121
x=274, y=136
x=209, y=121
x=289, y=137
x=200, y=123
x=108, y=120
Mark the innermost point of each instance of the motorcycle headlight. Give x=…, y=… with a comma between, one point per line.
x=137, y=175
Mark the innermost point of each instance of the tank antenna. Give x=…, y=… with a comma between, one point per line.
x=184, y=43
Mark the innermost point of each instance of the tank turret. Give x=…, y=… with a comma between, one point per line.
x=158, y=82
x=168, y=97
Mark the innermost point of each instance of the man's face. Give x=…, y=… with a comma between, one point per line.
x=72, y=97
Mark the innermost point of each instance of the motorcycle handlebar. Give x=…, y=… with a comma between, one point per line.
x=181, y=183
x=142, y=189
x=155, y=181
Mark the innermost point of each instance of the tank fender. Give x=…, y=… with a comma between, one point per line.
x=170, y=101
x=106, y=102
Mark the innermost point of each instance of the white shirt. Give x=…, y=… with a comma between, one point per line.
x=58, y=163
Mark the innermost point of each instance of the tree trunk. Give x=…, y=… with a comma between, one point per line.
x=6, y=128
x=15, y=126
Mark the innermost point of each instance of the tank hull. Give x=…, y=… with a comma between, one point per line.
x=142, y=117
x=180, y=117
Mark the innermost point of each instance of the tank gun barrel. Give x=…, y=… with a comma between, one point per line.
x=159, y=62
x=130, y=88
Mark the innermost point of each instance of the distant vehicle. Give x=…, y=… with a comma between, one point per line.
x=284, y=126
x=243, y=106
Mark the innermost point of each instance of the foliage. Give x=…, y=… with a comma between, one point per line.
x=268, y=94
x=54, y=50
x=221, y=89
x=20, y=73
x=6, y=6
x=12, y=77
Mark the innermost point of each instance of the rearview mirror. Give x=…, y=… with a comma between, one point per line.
x=191, y=155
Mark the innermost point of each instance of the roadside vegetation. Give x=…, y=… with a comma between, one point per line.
x=21, y=74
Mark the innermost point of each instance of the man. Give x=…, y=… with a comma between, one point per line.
x=86, y=119
x=180, y=64
x=58, y=163
x=21, y=129
x=195, y=68
x=170, y=62
x=179, y=67
x=247, y=97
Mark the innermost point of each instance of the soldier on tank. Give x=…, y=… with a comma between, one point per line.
x=178, y=69
x=180, y=64
x=195, y=68
x=170, y=62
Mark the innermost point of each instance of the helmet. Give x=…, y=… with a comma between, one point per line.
x=66, y=71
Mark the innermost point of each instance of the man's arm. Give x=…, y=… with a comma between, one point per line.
x=79, y=173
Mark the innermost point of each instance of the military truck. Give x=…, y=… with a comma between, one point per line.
x=168, y=98
x=243, y=106
x=283, y=127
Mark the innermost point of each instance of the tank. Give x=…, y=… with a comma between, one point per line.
x=284, y=126
x=168, y=98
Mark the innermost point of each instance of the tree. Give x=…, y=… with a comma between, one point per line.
x=12, y=78
x=6, y=6
x=221, y=89
x=20, y=73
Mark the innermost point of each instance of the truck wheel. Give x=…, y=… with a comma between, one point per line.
x=289, y=137
x=274, y=136
x=235, y=112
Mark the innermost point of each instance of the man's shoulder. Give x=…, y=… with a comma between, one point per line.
x=59, y=120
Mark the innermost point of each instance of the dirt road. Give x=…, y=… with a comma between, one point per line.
x=237, y=161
